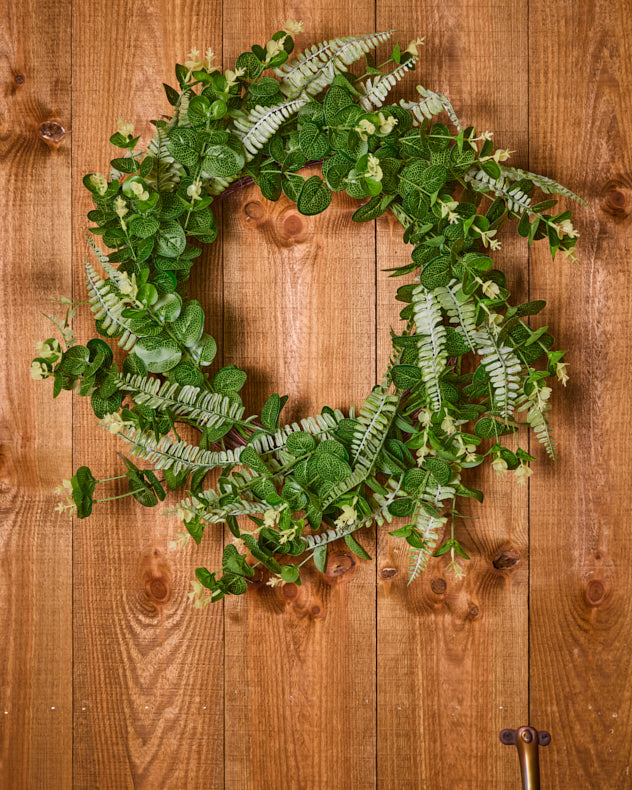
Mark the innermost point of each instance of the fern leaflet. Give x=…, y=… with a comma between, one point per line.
x=432, y=344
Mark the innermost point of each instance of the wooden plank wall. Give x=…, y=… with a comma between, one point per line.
x=355, y=681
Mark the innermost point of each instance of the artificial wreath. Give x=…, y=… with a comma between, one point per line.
x=466, y=369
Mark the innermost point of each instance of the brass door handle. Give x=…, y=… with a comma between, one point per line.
x=527, y=740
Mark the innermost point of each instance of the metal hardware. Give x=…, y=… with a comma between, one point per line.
x=527, y=740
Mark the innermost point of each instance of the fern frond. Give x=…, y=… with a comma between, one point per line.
x=317, y=66
x=429, y=526
x=429, y=105
x=64, y=327
x=376, y=90
x=321, y=425
x=536, y=418
x=378, y=516
x=502, y=187
x=165, y=173
x=503, y=367
x=460, y=313
x=206, y=408
x=262, y=122
x=111, y=271
x=545, y=184
x=374, y=419
x=432, y=353
x=108, y=305
x=166, y=452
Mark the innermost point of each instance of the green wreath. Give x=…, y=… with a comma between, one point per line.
x=434, y=414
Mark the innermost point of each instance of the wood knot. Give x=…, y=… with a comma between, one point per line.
x=157, y=589
x=315, y=611
x=19, y=79
x=253, y=210
x=338, y=564
x=290, y=590
x=293, y=225
x=438, y=586
x=506, y=559
x=388, y=573
x=474, y=613
x=595, y=592
x=52, y=130
x=617, y=199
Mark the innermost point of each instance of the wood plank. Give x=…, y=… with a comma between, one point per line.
x=35, y=542
x=581, y=588
x=300, y=319
x=149, y=669
x=452, y=655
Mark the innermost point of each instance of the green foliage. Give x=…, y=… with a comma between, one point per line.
x=462, y=368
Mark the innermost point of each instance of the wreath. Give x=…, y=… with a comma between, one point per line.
x=466, y=368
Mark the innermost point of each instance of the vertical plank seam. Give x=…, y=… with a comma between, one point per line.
x=376, y=527
x=528, y=434
x=221, y=226
x=73, y=521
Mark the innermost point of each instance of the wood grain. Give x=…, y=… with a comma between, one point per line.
x=300, y=661
x=148, y=670
x=581, y=549
x=35, y=432
x=452, y=668
x=352, y=680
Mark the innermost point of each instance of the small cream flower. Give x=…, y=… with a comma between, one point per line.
x=120, y=207
x=292, y=28
x=522, y=474
x=499, y=465
x=194, y=61
x=373, y=168
x=565, y=228
x=470, y=453
x=275, y=581
x=560, y=370
x=65, y=490
x=200, y=597
x=486, y=136
x=502, y=154
x=270, y=518
x=490, y=289
x=412, y=47
x=495, y=244
x=448, y=210
x=39, y=370
x=185, y=513
x=114, y=423
x=194, y=190
x=447, y=425
x=347, y=517
x=420, y=454
x=365, y=128
x=487, y=236
x=274, y=47
x=209, y=57
x=455, y=569
x=127, y=286
x=570, y=254
x=100, y=183
x=139, y=190
x=125, y=128
x=47, y=349
x=386, y=124
x=182, y=540
x=425, y=418
x=233, y=76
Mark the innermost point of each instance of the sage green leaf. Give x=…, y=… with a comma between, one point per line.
x=229, y=379
x=183, y=145
x=314, y=143
x=335, y=99
x=187, y=374
x=331, y=467
x=158, y=354
x=292, y=185
x=83, y=485
x=222, y=162
x=204, y=351
x=171, y=239
x=436, y=273
x=415, y=481
x=271, y=412
x=402, y=507
x=299, y=443
x=188, y=327
x=405, y=376
x=314, y=198
x=356, y=548
x=199, y=110
x=320, y=558
x=168, y=307
x=439, y=469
